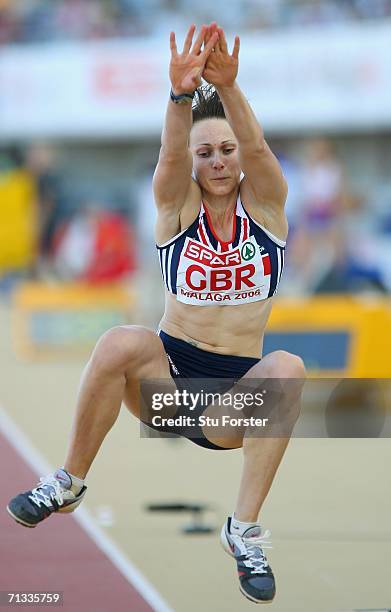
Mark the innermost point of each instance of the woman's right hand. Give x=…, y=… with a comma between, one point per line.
x=186, y=67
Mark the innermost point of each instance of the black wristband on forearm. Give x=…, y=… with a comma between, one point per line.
x=185, y=98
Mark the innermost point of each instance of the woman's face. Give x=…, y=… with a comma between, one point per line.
x=215, y=156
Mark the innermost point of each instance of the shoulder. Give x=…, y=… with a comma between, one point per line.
x=272, y=217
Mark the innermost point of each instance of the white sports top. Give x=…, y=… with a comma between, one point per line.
x=202, y=270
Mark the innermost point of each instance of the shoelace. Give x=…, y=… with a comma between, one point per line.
x=254, y=552
x=48, y=489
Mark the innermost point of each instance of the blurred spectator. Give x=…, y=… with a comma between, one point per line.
x=294, y=177
x=19, y=219
x=96, y=246
x=352, y=275
x=331, y=248
x=41, y=162
x=323, y=186
x=46, y=233
x=319, y=238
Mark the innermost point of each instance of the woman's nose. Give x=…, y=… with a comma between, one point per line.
x=217, y=163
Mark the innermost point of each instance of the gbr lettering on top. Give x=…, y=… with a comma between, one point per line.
x=238, y=276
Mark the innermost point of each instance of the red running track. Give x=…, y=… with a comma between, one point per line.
x=57, y=555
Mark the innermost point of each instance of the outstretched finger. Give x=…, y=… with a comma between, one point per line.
x=199, y=40
x=235, y=51
x=189, y=39
x=222, y=40
x=211, y=43
x=173, y=47
x=212, y=29
x=207, y=36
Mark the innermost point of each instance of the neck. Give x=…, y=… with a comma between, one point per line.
x=221, y=206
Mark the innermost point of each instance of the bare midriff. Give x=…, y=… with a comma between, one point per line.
x=228, y=330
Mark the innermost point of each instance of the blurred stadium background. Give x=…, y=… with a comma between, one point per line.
x=83, y=89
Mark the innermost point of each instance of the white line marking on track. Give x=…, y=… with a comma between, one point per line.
x=38, y=464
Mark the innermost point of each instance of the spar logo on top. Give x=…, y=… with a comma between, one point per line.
x=237, y=276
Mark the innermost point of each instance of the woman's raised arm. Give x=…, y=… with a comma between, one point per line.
x=261, y=168
x=172, y=178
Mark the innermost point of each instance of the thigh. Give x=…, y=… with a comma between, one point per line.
x=151, y=365
x=280, y=366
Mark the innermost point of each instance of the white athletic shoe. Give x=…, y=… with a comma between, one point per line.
x=255, y=575
x=52, y=494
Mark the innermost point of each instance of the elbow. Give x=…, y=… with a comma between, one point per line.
x=254, y=147
x=253, y=141
x=173, y=154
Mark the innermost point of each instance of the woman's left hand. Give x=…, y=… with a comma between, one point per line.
x=221, y=68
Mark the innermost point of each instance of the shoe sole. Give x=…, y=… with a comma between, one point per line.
x=69, y=508
x=257, y=601
x=227, y=548
x=18, y=520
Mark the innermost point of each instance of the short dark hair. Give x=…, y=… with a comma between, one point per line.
x=207, y=104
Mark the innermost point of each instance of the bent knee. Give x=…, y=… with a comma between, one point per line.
x=287, y=365
x=122, y=346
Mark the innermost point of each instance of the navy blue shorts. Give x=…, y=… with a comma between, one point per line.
x=189, y=362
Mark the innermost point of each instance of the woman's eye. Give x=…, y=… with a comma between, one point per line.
x=228, y=151
x=203, y=154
